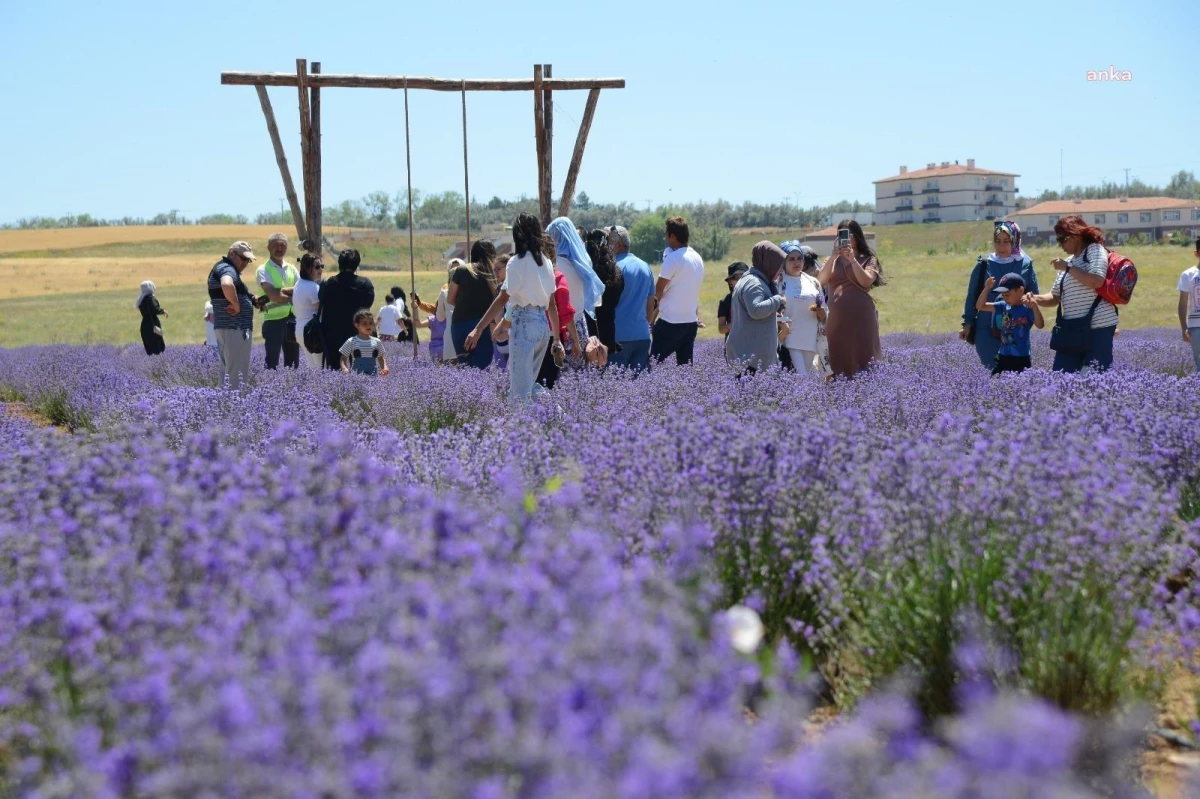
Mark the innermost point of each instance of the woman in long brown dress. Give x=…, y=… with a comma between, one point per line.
x=853, y=326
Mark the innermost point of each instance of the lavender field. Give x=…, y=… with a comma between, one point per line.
x=335, y=586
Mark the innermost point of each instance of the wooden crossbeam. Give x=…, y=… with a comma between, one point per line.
x=335, y=81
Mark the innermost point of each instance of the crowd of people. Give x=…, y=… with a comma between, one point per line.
x=568, y=298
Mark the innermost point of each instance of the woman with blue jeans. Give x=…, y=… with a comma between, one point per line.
x=527, y=290
x=1005, y=257
x=1075, y=294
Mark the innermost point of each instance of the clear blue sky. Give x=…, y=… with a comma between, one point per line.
x=116, y=108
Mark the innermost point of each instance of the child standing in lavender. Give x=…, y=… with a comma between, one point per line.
x=1012, y=317
x=363, y=352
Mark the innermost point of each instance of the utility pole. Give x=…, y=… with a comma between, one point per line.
x=1126, y=181
x=1060, y=172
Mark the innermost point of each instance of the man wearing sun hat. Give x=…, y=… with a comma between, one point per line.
x=233, y=314
x=734, y=274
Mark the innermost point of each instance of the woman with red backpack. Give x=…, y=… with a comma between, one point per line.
x=1083, y=334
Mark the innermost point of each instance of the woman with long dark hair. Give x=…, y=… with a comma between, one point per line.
x=614, y=284
x=1006, y=256
x=1074, y=293
x=853, y=327
x=527, y=288
x=407, y=331
x=471, y=291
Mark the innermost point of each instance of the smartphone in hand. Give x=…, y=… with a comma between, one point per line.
x=843, y=239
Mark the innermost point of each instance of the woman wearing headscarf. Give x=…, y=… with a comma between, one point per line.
x=571, y=258
x=853, y=328
x=753, y=341
x=152, y=333
x=805, y=310
x=1006, y=256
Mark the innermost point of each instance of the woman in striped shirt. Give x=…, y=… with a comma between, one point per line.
x=1075, y=292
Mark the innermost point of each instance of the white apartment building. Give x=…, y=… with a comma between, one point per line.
x=945, y=193
x=1120, y=218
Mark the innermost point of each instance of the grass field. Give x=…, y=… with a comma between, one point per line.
x=78, y=285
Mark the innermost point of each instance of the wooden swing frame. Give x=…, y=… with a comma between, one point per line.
x=309, y=85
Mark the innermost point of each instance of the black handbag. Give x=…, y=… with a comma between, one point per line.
x=313, y=340
x=1072, y=336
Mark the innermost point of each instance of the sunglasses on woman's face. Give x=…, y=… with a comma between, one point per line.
x=1061, y=239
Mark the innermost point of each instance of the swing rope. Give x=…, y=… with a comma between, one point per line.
x=412, y=269
x=466, y=172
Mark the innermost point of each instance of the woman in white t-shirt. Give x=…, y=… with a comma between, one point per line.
x=528, y=288
x=805, y=310
x=305, y=302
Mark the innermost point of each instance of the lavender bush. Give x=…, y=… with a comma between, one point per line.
x=333, y=585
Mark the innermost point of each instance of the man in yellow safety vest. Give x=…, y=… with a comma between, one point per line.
x=277, y=279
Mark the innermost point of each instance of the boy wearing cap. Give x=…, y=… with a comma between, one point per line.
x=1012, y=316
x=724, y=313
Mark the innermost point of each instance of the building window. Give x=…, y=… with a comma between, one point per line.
x=1122, y=237
x=1170, y=216
x=976, y=195
x=1196, y=214
x=1003, y=181
x=1053, y=219
x=976, y=181
x=1031, y=231
x=1144, y=217
x=1122, y=218
x=1098, y=219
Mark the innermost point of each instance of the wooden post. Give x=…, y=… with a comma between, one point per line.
x=466, y=174
x=539, y=121
x=412, y=269
x=548, y=127
x=585, y=126
x=298, y=217
x=314, y=147
x=306, y=143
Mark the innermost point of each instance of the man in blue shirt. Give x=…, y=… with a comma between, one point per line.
x=637, y=300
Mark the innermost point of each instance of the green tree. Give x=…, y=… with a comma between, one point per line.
x=648, y=238
x=583, y=202
x=379, y=207
x=712, y=243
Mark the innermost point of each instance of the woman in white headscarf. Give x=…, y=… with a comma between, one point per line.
x=152, y=333
x=587, y=290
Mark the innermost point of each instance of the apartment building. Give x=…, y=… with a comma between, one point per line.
x=945, y=193
x=1120, y=218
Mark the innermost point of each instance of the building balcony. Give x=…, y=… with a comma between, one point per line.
x=904, y=207
x=995, y=187
x=903, y=192
x=934, y=203
x=994, y=201
x=932, y=219
x=990, y=217
x=903, y=222
x=930, y=189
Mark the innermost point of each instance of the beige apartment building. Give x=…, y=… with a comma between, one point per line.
x=945, y=193
x=1152, y=217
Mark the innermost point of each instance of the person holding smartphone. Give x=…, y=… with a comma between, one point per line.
x=853, y=327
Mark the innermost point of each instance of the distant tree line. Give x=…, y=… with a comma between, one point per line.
x=1183, y=184
x=445, y=211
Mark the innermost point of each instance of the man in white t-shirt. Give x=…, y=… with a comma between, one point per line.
x=1189, y=306
x=389, y=319
x=678, y=296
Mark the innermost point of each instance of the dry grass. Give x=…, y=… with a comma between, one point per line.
x=71, y=238
x=36, y=277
